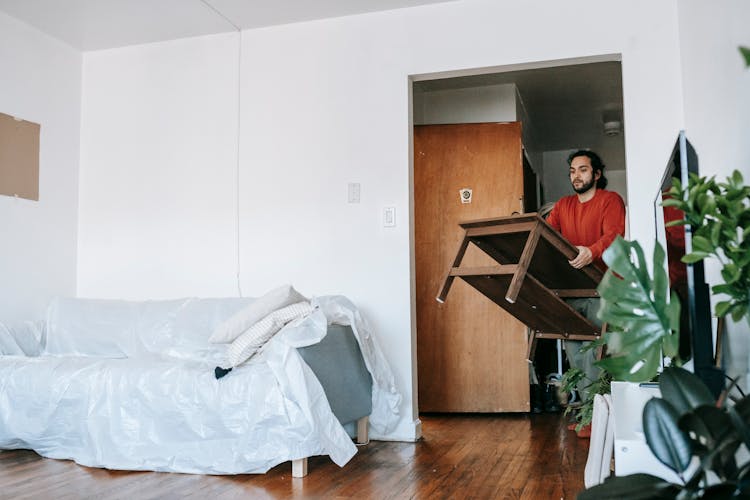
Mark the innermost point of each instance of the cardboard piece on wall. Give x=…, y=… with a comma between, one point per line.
x=19, y=157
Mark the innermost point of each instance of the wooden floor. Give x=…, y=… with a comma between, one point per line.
x=460, y=456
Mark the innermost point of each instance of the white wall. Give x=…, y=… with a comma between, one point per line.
x=324, y=103
x=490, y=103
x=716, y=84
x=158, y=170
x=40, y=82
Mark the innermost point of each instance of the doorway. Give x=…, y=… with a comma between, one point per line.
x=561, y=106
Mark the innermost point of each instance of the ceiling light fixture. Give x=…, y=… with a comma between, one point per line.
x=612, y=121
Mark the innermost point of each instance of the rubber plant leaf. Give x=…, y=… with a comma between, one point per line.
x=714, y=440
x=743, y=483
x=740, y=416
x=724, y=490
x=642, y=316
x=632, y=487
x=664, y=437
x=684, y=390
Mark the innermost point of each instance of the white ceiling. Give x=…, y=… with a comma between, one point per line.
x=103, y=24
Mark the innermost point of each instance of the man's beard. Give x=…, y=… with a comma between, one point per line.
x=585, y=187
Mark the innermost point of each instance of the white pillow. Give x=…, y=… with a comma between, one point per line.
x=255, y=311
x=247, y=344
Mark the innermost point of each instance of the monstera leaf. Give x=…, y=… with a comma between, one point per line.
x=642, y=317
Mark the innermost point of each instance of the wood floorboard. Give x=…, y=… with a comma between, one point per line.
x=505, y=456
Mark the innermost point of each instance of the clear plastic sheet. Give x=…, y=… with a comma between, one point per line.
x=125, y=385
x=22, y=339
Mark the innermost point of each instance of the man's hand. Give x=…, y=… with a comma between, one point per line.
x=583, y=258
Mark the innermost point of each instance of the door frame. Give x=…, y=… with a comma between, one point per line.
x=457, y=73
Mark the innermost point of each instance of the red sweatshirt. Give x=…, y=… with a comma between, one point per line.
x=594, y=224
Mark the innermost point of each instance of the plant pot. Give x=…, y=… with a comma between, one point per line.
x=632, y=454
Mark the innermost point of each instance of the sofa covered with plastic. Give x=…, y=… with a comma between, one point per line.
x=131, y=385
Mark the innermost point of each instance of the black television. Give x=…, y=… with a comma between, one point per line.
x=688, y=281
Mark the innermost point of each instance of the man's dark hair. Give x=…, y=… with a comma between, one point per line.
x=596, y=164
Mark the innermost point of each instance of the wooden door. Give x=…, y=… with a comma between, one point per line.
x=471, y=354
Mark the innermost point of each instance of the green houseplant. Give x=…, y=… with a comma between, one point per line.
x=643, y=316
x=642, y=313
x=643, y=322
x=683, y=427
x=719, y=213
x=686, y=425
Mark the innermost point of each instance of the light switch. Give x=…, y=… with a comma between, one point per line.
x=353, y=192
x=389, y=216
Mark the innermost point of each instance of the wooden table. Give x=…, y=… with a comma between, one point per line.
x=532, y=276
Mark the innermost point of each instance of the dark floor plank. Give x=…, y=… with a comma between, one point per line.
x=460, y=456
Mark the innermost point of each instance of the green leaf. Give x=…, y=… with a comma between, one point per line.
x=694, y=257
x=671, y=343
x=634, y=487
x=719, y=491
x=736, y=174
x=743, y=483
x=571, y=379
x=723, y=288
x=661, y=280
x=745, y=54
x=664, y=437
x=738, y=311
x=711, y=430
x=631, y=368
x=671, y=202
x=642, y=317
x=707, y=423
x=701, y=244
x=740, y=416
x=715, y=235
x=731, y=273
x=676, y=223
x=684, y=390
x=722, y=308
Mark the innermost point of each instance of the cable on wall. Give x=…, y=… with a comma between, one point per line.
x=239, y=129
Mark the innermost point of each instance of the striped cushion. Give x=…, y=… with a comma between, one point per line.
x=247, y=344
x=275, y=299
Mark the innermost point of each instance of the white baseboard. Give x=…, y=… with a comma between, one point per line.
x=408, y=431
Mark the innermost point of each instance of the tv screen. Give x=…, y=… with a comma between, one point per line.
x=687, y=281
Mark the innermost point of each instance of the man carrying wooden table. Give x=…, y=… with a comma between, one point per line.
x=591, y=219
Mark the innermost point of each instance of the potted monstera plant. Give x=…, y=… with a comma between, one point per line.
x=643, y=324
